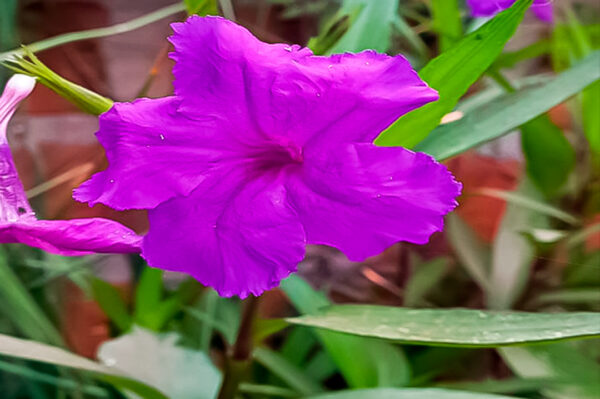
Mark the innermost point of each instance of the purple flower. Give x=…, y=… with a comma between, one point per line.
x=487, y=8
x=18, y=223
x=266, y=148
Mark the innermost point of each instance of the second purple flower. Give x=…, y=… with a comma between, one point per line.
x=266, y=148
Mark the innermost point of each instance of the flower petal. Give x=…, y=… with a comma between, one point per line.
x=487, y=8
x=278, y=90
x=72, y=237
x=154, y=153
x=543, y=10
x=361, y=198
x=237, y=238
x=13, y=200
x=17, y=88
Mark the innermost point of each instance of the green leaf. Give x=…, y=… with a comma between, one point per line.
x=116, y=29
x=549, y=155
x=452, y=73
x=363, y=362
x=171, y=306
x=156, y=360
x=110, y=301
x=291, y=374
x=424, y=278
x=508, y=112
x=86, y=100
x=472, y=253
x=321, y=366
x=452, y=327
x=216, y=313
x=148, y=295
x=562, y=362
x=333, y=30
x=512, y=252
x=571, y=296
x=35, y=351
x=59, y=382
x=512, y=58
x=591, y=117
x=533, y=204
x=447, y=22
x=267, y=390
x=201, y=7
x=512, y=385
x=17, y=304
x=298, y=344
x=264, y=328
x=408, y=393
x=412, y=38
x=372, y=27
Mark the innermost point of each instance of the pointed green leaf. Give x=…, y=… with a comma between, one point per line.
x=452, y=327
x=452, y=73
x=371, y=29
x=408, y=393
x=110, y=301
x=364, y=362
x=35, y=351
x=563, y=362
x=549, y=155
x=506, y=113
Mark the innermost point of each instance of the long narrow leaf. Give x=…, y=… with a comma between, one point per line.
x=452, y=73
x=452, y=327
x=508, y=112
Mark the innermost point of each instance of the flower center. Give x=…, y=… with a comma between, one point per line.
x=276, y=154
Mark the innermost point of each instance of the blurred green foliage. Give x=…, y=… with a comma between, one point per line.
x=171, y=340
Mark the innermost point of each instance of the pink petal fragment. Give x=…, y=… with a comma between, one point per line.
x=487, y=8
x=543, y=10
x=238, y=238
x=72, y=237
x=361, y=198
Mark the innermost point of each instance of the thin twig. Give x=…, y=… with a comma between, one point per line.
x=123, y=27
x=71, y=174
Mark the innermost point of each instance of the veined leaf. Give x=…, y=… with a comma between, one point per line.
x=156, y=360
x=562, y=362
x=364, y=362
x=408, y=393
x=31, y=350
x=508, y=112
x=452, y=327
x=452, y=73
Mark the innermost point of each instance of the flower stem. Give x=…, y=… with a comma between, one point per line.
x=238, y=360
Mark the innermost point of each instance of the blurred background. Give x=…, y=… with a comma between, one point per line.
x=494, y=253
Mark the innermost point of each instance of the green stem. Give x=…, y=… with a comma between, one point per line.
x=502, y=81
x=239, y=358
x=123, y=27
